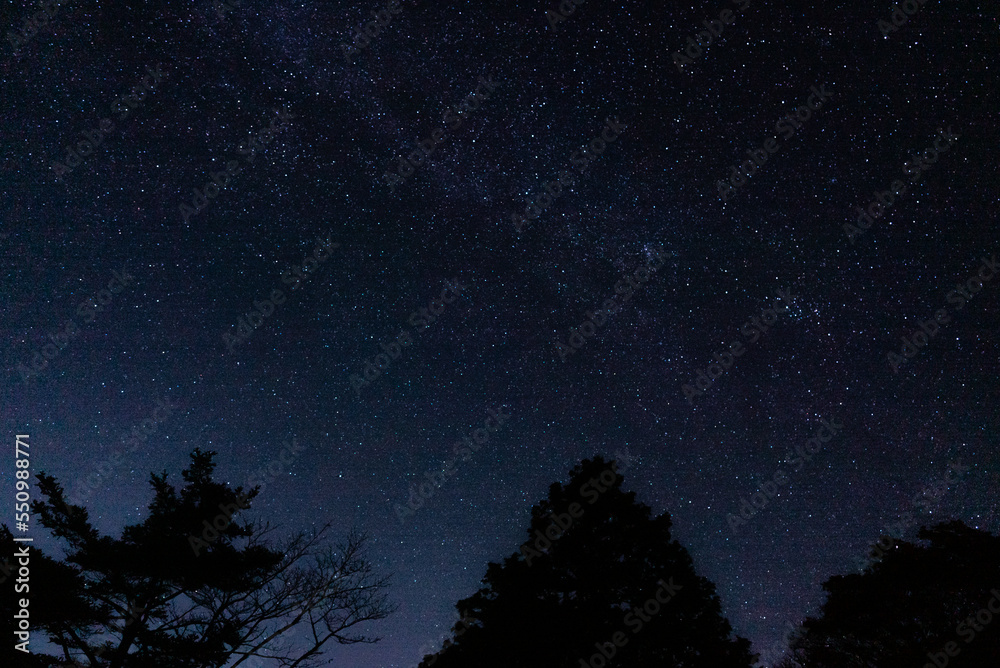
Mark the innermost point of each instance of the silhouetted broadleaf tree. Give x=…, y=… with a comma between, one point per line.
x=904, y=609
x=563, y=596
x=172, y=593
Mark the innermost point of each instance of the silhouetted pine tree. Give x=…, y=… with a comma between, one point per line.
x=594, y=560
x=177, y=592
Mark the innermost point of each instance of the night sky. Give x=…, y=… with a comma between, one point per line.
x=144, y=281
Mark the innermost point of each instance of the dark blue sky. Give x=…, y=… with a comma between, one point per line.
x=318, y=174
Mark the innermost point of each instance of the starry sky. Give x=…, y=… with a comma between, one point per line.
x=143, y=281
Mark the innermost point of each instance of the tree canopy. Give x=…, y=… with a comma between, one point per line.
x=192, y=586
x=919, y=605
x=598, y=577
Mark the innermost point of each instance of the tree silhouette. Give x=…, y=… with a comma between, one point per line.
x=598, y=578
x=190, y=586
x=917, y=606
